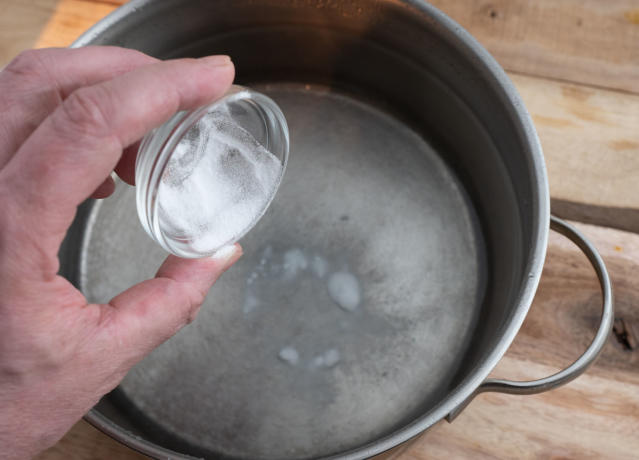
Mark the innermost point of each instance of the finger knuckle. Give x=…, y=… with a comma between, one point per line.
x=11, y=228
x=195, y=302
x=192, y=315
x=26, y=64
x=22, y=353
x=190, y=300
x=84, y=112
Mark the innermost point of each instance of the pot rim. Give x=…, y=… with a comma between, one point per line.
x=468, y=45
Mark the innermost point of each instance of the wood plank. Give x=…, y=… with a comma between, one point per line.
x=612, y=216
x=85, y=442
x=72, y=18
x=591, y=145
x=21, y=23
x=566, y=310
x=586, y=41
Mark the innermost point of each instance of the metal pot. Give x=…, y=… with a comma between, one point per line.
x=416, y=180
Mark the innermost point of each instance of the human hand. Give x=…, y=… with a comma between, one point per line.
x=67, y=119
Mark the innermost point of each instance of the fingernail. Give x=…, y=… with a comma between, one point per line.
x=228, y=255
x=216, y=61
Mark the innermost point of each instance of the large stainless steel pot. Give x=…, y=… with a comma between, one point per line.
x=414, y=167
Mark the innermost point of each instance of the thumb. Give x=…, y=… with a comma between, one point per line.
x=151, y=312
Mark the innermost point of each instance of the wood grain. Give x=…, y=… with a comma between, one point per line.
x=590, y=139
x=84, y=442
x=585, y=41
x=21, y=23
x=72, y=18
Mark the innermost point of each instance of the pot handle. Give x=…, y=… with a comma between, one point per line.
x=586, y=359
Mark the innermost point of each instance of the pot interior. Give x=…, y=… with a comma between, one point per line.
x=389, y=264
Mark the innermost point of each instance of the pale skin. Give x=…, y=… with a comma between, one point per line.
x=68, y=118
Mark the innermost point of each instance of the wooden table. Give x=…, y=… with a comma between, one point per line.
x=576, y=64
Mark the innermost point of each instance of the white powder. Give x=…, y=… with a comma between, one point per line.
x=224, y=252
x=250, y=303
x=289, y=355
x=295, y=261
x=319, y=266
x=216, y=184
x=344, y=289
x=327, y=359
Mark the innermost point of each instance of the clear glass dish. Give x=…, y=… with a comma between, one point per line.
x=206, y=177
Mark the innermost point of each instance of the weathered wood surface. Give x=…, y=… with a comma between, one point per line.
x=585, y=41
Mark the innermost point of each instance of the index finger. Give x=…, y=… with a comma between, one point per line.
x=37, y=81
x=69, y=155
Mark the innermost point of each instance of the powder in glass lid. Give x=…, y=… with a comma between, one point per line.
x=216, y=184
